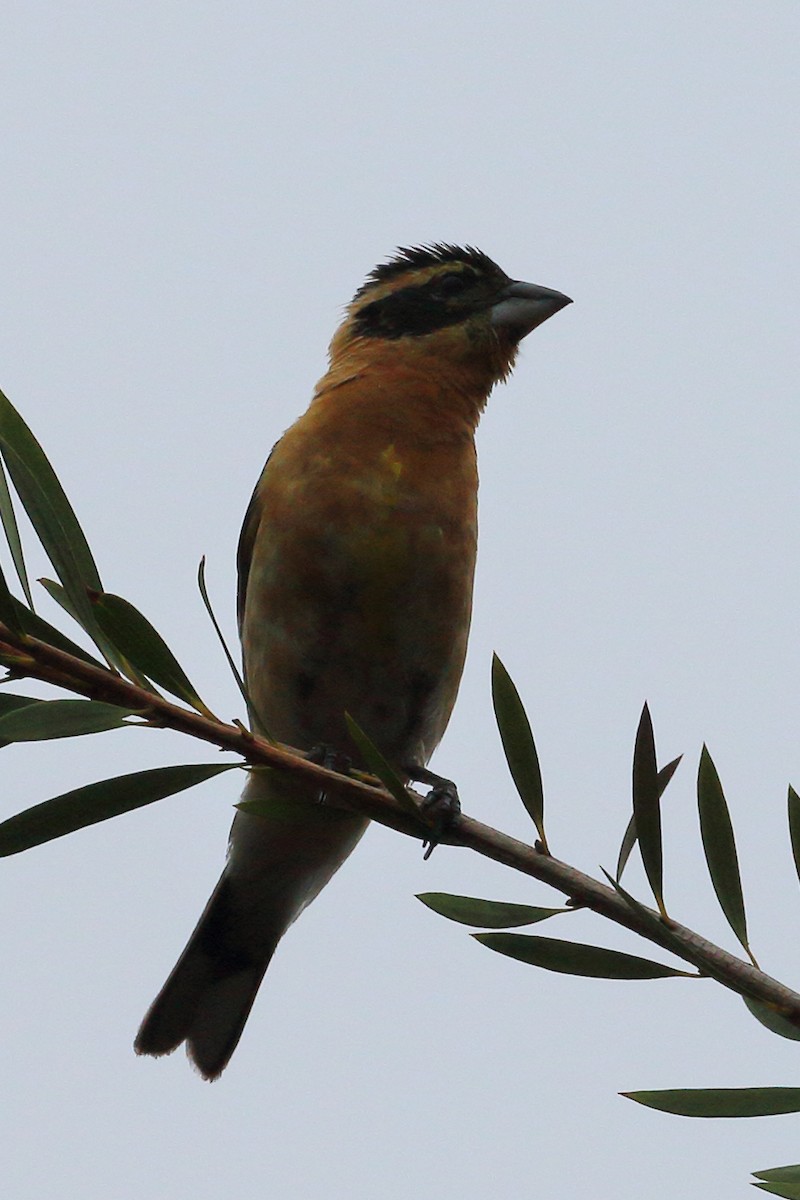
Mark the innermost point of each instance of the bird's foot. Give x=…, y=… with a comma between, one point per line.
x=440, y=806
x=332, y=760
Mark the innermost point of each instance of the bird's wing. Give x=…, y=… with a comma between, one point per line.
x=244, y=552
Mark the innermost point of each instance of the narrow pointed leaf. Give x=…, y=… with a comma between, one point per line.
x=646, y=806
x=9, y=519
x=486, y=914
x=254, y=714
x=720, y=847
x=10, y=702
x=49, y=511
x=645, y=914
x=790, y=1174
x=113, y=658
x=518, y=745
x=378, y=765
x=628, y=842
x=629, y=838
x=62, y=597
x=666, y=773
x=789, y=1191
x=653, y=920
x=721, y=1102
x=41, y=720
x=35, y=626
x=8, y=610
x=574, y=958
x=98, y=802
x=794, y=827
x=143, y=646
x=772, y=1020
x=201, y=584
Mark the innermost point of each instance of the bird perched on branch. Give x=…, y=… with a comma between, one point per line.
x=356, y=563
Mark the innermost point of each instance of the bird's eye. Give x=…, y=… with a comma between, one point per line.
x=453, y=283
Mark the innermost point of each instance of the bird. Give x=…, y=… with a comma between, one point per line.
x=355, y=576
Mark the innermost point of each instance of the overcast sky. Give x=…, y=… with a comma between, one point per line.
x=190, y=194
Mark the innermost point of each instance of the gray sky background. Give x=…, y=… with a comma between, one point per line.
x=190, y=194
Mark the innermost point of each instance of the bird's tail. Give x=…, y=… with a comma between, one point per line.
x=208, y=996
x=277, y=864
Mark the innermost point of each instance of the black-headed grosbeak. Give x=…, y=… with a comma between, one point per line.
x=356, y=563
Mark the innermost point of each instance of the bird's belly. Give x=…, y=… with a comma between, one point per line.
x=371, y=620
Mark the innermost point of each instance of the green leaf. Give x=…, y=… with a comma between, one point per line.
x=98, y=802
x=41, y=720
x=628, y=842
x=629, y=838
x=50, y=513
x=632, y=902
x=661, y=928
x=201, y=584
x=11, y=528
x=8, y=611
x=654, y=921
x=518, y=745
x=789, y=1191
x=772, y=1020
x=35, y=626
x=721, y=1102
x=488, y=914
x=378, y=765
x=720, y=847
x=646, y=806
x=254, y=714
x=143, y=646
x=62, y=598
x=794, y=827
x=575, y=958
x=788, y=1176
x=10, y=702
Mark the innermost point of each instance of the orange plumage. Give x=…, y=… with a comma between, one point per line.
x=356, y=564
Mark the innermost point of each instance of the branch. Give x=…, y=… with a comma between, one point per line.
x=28, y=657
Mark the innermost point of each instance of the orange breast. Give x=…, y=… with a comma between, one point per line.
x=360, y=587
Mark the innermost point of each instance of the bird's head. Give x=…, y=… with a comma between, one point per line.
x=443, y=305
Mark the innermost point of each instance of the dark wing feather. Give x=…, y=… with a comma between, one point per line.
x=244, y=552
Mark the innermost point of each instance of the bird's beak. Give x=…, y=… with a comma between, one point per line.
x=520, y=307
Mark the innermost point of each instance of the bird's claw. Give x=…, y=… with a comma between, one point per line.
x=332, y=760
x=440, y=806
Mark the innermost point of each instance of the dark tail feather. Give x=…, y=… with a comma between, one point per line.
x=208, y=996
